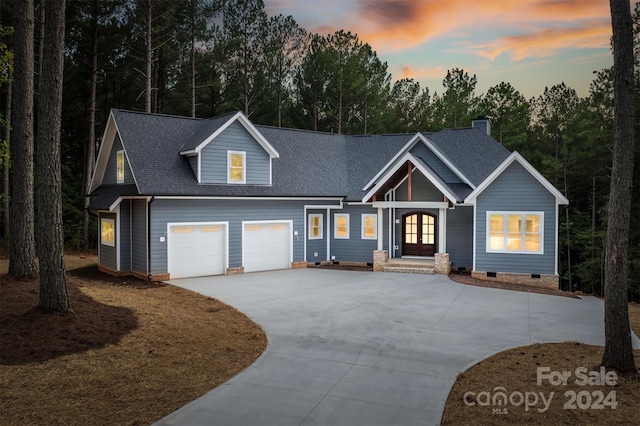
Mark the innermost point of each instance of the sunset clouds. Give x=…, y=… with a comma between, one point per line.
x=421, y=39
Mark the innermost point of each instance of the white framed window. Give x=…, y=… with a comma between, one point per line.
x=120, y=166
x=315, y=227
x=236, y=170
x=369, y=227
x=515, y=232
x=107, y=232
x=341, y=226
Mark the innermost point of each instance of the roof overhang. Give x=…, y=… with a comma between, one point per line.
x=244, y=121
x=419, y=165
x=516, y=157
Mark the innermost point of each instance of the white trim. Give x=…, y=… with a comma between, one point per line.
x=442, y=230
x=405, y=150
x=312, y=215
x=240, y=117
x=258, y=222
x=475, y=225
x=226, y=240
x=118, y=242
x=243, y=154
x=219, y=197
x=556, y=239
x=410, y=204
x=119, y=153
x=418, y=165
x=375, y=226
x=328, y=234
x=335, y=226
x=505, y=215
x=515, y=156
x=113, y=226
x=109, y=135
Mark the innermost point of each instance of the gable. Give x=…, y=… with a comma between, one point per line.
x=518, y=185
x=234, y=138
x=111, y=171
x=423, y=152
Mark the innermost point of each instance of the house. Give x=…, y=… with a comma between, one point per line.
x=182, y=197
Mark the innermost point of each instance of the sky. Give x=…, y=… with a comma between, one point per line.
x=531, y=44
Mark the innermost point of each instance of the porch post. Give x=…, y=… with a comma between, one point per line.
x=380, y=228
x=442, y=230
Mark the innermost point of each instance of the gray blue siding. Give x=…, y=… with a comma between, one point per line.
x=111, y=173
x=421, y=189
x=356, y=249
x=516, y=190
x=460, y=236
x=235, y=138
x=165, y=211
x=422, y=151
x=108, y=254
x=139, y=236
x=125, y=235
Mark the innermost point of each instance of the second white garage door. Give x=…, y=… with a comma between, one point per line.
x=196, y=249
x=266, y=245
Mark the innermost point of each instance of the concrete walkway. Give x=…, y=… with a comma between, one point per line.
x=362, y=348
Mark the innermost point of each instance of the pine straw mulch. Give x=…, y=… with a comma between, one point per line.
x=515, y=373
x=131, y=353
x=135, y=351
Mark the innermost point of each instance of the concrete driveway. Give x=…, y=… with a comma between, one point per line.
x=362, y=348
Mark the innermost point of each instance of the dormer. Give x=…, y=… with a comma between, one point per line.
x=230, y=150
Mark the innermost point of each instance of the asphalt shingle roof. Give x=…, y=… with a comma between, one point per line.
x=311, y=164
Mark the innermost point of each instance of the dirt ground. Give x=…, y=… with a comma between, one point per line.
x=133, y=352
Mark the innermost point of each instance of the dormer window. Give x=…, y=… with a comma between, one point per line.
x=120, y=166
x=236, y=172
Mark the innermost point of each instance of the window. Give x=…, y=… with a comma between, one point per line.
x=315, y=227
x=341, y=229
x=369, y=227
x=236, y=162
x=120, y=164
x=515, y=232
x=107, y=232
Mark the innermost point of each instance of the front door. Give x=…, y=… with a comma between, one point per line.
x=418, y=234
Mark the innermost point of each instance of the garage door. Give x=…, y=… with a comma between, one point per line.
x=196, y=250
x=266, y=246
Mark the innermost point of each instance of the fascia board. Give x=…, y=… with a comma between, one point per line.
x=240, y=117
x=393, y=160
x=515, y=156
x=108, y=136
x=420, y=166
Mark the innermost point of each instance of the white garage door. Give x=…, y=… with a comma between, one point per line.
x=266, y=246
x=196, y=250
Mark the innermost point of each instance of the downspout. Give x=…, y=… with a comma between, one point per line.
x=153, y=197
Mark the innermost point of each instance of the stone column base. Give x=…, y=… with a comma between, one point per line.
x=298, y=265
x=442, y=266
x=380, y=258
x=237, y=270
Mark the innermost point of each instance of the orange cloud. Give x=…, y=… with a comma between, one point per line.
x=419, y=73
x=395, y=25
x=546, y=42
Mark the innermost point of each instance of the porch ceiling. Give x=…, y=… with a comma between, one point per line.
x=392, y=182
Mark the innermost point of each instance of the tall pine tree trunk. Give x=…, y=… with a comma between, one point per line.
x=22, y=261
x=5, y=164
x=53, y=282
x=91, y=137
x=149, y=57
x=618, y=351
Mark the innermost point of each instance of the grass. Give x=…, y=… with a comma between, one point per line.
x=133, y=352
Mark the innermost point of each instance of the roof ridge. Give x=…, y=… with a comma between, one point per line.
x=157, y=114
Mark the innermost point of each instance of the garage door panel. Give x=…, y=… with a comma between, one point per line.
x=196, y=250
x=267, y=246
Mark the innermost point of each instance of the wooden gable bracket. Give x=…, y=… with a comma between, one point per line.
x=409, y=165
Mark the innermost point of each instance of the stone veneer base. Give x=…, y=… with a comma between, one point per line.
x=547, y=281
